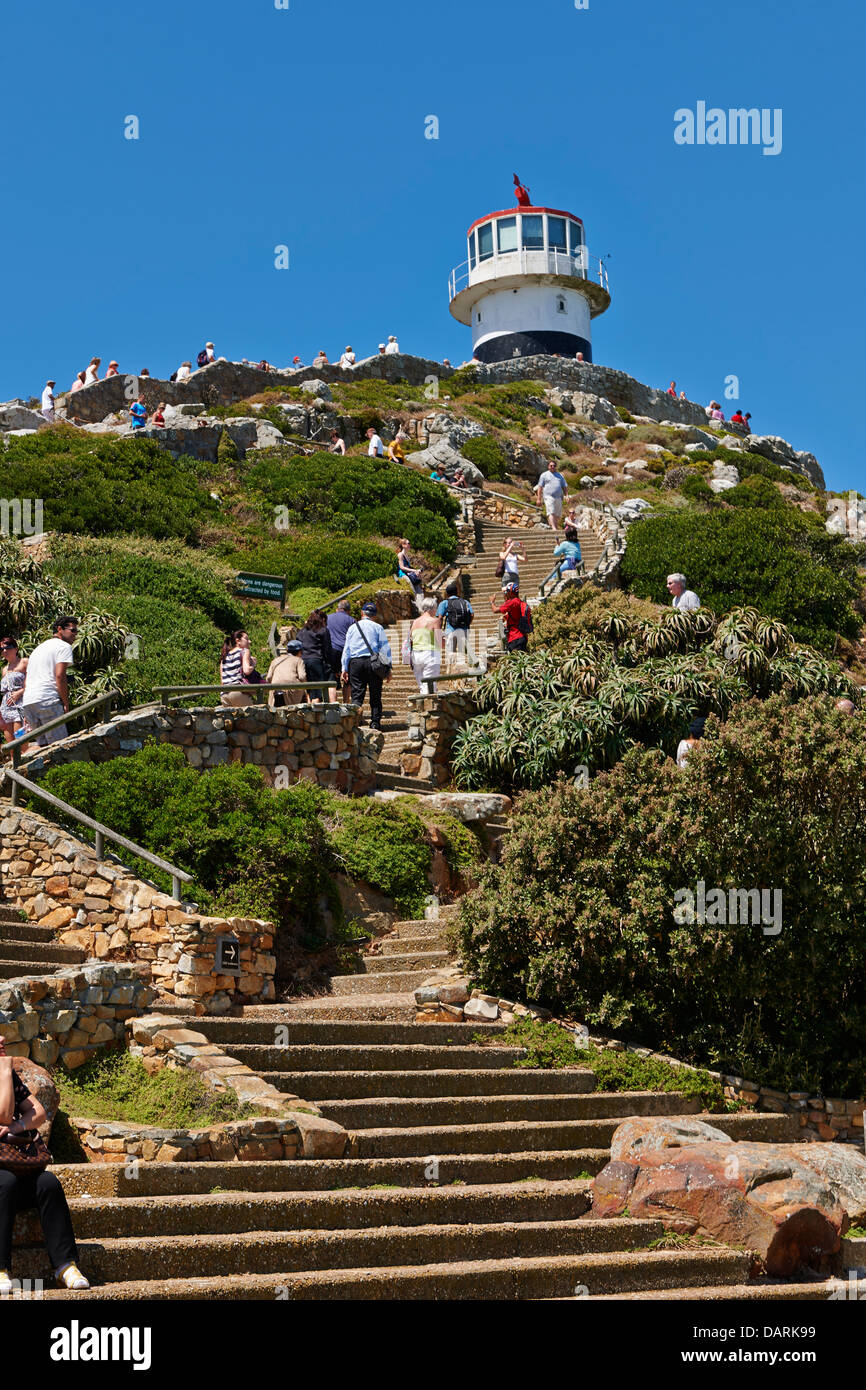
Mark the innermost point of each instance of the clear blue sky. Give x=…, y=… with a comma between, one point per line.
x=305, y=127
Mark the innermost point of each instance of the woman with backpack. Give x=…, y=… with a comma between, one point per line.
x=517, y=616
x=317, y=654
x=456, y=614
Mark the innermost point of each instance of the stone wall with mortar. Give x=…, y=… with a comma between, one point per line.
x=434, y=721
x=101, y=908
x=317, y=743
x=69, y=1016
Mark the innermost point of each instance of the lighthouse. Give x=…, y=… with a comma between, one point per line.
x=529, y=283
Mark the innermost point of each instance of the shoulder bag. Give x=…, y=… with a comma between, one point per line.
x=378, y=666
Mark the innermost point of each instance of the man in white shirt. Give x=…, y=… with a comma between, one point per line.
x=347, y=358
x=393, y=345
x=682, y=597
x=553, y=488
x=48, y=401
x=46, y=693
x=376, y=448
x=184, y=371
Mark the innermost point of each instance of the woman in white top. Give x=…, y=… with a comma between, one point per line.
x=321, y=359
x=347, y=358
x=685, y=746
x=393, y=345
x=92, y=373
x=183, y=371
x=510, y=556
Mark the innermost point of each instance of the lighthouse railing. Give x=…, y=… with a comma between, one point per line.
x=581, y=266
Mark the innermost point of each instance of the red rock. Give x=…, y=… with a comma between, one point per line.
x=40, y=1085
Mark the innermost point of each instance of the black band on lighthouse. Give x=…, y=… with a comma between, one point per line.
x=502, y=346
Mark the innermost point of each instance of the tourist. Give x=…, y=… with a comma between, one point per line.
x=397, y=447
x=237, y=665
x=375, y=448
x=714, y=411
x=339, y=623
x=518, y=619
x=48, y=401
x=460, y=479
x=393, y=346
x=570, y=549
x=456, y=613
x=347, y=358
x=683, y=396
x=553, y=488
x=297, y=364
x=138, y=412
x=21, y=1113
x=367, y=662
x=508, y=569
x=12, y=681
x=144, y=372
x=184, y=372
x=93, y=371
x=113, y=370
x=337, y=444
x=578, y=357
x=287, y=668
x=422, y=649
x=158, y=417
x=381, y=352
x=406, y=569
x=264, y=365
x=77, y=384
x=748, y=419
x=672, y=390
x=683, y=598
x=737, y=419
x=317, y=654
x=321, y=359
x=685, y=746
x=46, y=690
x=437, y=477
x=445, y=362
x=209, y=354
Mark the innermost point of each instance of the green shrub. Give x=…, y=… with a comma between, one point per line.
x=773, y=799
x=318, y=561
x=385, y=845
x=116, y=1086
x=101, y=485
x=487, y=455
x=616, y=433
x=696, y=489
x=774, y=558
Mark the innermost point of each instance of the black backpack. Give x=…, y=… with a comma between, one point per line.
x=202, y=358
x=458, y=613
x=524, y=622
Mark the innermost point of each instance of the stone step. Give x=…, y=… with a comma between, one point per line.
x=382, y=982
x=426, y=961
x=225, y=1213
x=400, y=1113
x=384, y=1059
x=514, y=1277
x=17, y=929
x=432, y=927
x=813, y=1291
x=330, y=1174
x=8, y=913
x=412, y=786
x=15, y=969
x=447, y=1082
x=395, y=946
x=509, y=1136
x=397, y=1007
x=267, y=1251
x=41, y=954
x=259, y=1030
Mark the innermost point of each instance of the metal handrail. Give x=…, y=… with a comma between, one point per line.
x=170, y=693
x=16, y=749
x=455, y=676
x=578, y=264
x=102, y=832
x=556, y=574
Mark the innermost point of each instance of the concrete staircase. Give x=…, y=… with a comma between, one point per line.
x=467, y=1177
x=30, y=950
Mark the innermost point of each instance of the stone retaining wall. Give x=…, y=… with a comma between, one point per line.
x=251, y=1141
x=69, y=1016
x=434, y=721
x=101, y=908
x=316, y=743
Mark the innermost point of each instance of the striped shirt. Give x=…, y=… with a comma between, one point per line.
x=232, y=668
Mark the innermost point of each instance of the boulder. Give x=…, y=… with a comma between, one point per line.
x=18, y=418
x=595, y=408
x=727, y=472
x=267, y=435
x=779, y=451
x=649, y=1134
x=843, y=1168
x=40, y=1085
x=480, y=1011
x=760, y=1197
x=720, y=484
x=315, y=387
x=446, y=460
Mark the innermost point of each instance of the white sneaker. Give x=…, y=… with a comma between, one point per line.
x=70, y=1277
x=5, y=1283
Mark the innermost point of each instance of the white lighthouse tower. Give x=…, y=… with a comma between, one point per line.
x=529, y=284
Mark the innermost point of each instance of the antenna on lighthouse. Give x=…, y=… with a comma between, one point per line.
x=521, y=193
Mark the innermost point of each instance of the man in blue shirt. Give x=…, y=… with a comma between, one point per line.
x=338, y=625
x=138, y=411
x=457, y=613
x=364, y=640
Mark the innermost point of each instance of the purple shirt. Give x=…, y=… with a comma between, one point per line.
x=338, y=626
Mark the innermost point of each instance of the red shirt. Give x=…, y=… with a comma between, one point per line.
x=512, y=610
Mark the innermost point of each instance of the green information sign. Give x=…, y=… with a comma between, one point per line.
x=272, y=586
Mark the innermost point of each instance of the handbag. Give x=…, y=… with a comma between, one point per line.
x=377, y=665
x=500, y=569
x=24, y=1154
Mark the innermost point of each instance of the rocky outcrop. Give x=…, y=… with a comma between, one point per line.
x=773, y=1199
x=779, y=451
x=14, y=415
